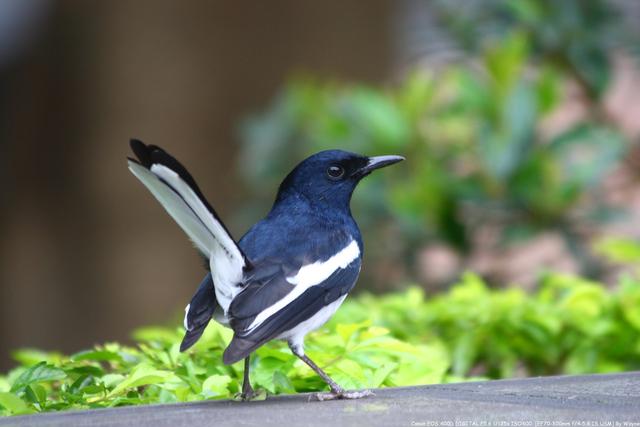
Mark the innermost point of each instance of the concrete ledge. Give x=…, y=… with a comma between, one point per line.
x=585, y=400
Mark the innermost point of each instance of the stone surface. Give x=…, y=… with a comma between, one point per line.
x=587, y=400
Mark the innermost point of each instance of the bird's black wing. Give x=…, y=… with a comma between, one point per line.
x=198, y=312
x=249, y=336
x=265, y=286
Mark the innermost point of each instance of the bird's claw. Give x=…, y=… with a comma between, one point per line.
x=251, y=394
x=344, y=394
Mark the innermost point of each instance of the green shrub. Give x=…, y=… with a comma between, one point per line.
x=569, y=325
x=477, y=154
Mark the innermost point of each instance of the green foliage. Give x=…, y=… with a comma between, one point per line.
x=475, y=153
x=478, y=152
x=569, y=325
x=576, y=36
x=154, y=371
x=620, y=250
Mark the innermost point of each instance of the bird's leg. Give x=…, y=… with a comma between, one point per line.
x=335, y=388
x=337, y=392
x=247, y=390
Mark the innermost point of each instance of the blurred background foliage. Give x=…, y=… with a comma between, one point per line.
x=486, y=165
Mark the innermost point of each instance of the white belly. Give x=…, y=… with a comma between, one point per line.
x=296, y=335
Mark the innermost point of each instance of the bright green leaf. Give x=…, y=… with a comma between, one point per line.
x=38, y=373
x=14, y=404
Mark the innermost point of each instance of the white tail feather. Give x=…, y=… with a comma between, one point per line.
x=205, y=231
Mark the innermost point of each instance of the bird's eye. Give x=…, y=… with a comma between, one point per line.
x=335, y=172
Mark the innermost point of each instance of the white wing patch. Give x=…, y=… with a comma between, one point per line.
x=186, y=313
x=308, y=276
x=318, y=272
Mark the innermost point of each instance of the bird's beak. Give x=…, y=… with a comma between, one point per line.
x=377, y=163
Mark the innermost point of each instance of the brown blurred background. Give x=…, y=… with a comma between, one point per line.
x=86, y=254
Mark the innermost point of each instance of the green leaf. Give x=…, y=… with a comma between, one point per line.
x=381, y=374
x=416, y=94
x=30, y=357
x=94, y=354
x=216, y=385
x=142, y=375
x=282, y=383
x=262, y=373
x=505, y=60
x=162, y=336
x=38, y=373
x=586, y=152
x=464, y=353
x=547, y=90
x=4, y=384
x=347, y=331
x=376, y=112
x=82, y=382
x=505, y=145
x=14, y=404
x=621, y=250
x=111, y=380
x=630, y=301
x=592, y=66
x=35, y=393
x=95, y=371
x=352, y=369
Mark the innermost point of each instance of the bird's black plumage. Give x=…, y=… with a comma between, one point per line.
x=201, y=308
x=303, y=308
x=291, y=270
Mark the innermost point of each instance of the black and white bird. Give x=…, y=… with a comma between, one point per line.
x=289, y=273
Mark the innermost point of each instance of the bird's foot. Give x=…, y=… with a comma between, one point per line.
x=344, y=394
x=251, y=394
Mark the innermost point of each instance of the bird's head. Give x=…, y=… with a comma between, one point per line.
x=329, y=177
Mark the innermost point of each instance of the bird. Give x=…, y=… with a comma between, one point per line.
x=290, y=271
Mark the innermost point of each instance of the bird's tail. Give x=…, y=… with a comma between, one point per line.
x=198, y=313
x=177, y=191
